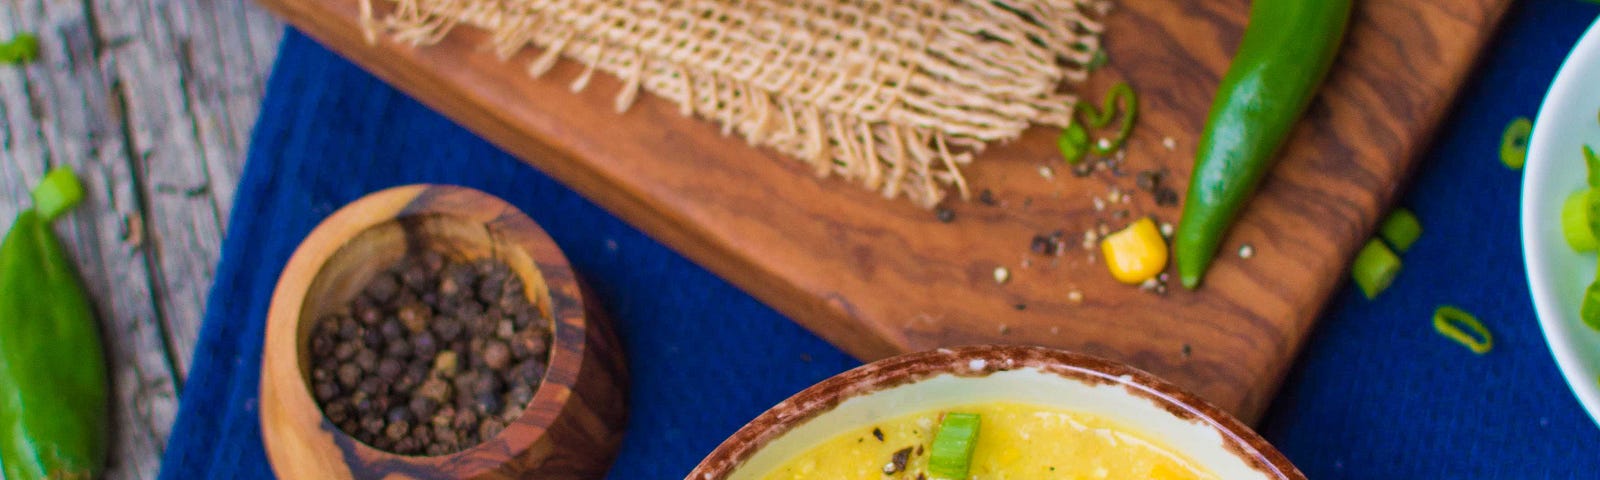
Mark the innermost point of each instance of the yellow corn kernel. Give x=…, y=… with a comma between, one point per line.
x=1136, y=253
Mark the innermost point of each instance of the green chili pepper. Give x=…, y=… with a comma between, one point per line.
x=1286, y=51
x=53, y=411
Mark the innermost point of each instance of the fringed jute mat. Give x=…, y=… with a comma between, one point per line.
x=896, y=95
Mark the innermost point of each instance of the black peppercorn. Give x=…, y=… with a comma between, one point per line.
x=434, y=356
x=389, y=369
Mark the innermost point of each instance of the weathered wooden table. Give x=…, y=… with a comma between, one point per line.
x=151, y=101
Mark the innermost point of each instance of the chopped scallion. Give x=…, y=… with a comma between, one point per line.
x=1592, y=161
x=1575, y=224
x=1375, y=268
x=1098, y=60
x=1120, y=94
x=950, y=456
x=1401, y=229
x=22, y=48
x=1450, y=321
x=1514, y=143
x=1589, y=310
x=1074, y=143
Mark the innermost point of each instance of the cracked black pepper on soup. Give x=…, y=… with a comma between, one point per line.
x=432, y=357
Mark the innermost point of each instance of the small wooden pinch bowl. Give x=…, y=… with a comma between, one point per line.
x=569, y=430
x=952, y=377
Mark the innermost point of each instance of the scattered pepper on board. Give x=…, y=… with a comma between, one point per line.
x=53, y=411
x=1287, y=49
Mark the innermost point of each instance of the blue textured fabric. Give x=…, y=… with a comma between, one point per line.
x=1376, y=395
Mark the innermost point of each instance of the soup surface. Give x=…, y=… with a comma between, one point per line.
x=1014, y=441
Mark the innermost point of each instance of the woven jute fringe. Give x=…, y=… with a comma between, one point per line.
x=897, y=95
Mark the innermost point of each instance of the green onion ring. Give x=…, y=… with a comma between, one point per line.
x=1449, y=320
x=1119, y=94
x=1074, y=143
x=1514, y=143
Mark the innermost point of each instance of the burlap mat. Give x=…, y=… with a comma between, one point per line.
x=896, y=95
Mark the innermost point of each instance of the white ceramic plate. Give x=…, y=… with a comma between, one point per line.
x=1558, y=276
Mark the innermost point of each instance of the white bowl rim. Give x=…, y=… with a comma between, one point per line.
x=1547, y=304
x=981, y=360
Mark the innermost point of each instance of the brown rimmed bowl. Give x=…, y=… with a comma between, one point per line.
x=571, y=428
x=946, y=378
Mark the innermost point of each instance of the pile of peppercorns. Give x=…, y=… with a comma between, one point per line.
x=433, y=357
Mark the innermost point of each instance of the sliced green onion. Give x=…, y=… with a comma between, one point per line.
x=1592, y=213
x=1449, y=321
x=22, y=48
x=1375, y=268
x=1514, y=143
x=1592, y=161
x=1401, y=229
x=1098, y=60
x=1575, y=225
x=1120, y=94
x=950, y=456
x=1074, y=143
x=1589, y=310
x=58, y=192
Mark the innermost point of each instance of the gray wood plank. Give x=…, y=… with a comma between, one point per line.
x=189, y=79
x=58, y=112
x=168, y=157
x=231, y=47
x=152, y=102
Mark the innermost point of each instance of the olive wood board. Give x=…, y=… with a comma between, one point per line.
x=880, y=277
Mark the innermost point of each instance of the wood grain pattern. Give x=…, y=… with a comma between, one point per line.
x=878, y=278
x=571, y=428
x=120, y=89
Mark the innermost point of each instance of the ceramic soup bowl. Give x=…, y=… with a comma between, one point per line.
x=946, y=378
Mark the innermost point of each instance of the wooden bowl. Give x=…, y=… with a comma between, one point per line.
x=946, y=378
x=571, y=428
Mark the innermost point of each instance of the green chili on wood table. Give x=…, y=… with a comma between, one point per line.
x=1286, y=51
x=53, y=411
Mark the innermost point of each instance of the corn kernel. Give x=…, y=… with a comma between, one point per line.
x=1136, y=253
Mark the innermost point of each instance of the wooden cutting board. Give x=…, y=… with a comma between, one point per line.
x=879, y=277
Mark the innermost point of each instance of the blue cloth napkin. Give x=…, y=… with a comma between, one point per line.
x=1376, y=394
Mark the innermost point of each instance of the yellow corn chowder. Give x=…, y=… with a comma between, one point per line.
x=990, y=441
